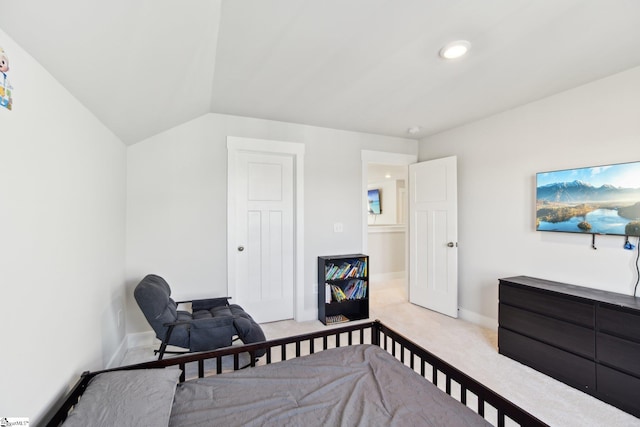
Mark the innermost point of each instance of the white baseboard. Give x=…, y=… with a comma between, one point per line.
x=140, y=339
x=307, y=315
x=478, y=319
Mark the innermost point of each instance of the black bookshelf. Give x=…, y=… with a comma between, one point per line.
x=343, y=288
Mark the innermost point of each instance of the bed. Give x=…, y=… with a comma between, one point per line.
x=360, y=374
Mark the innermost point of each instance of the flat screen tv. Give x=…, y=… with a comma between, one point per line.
x=591, y=200
x=374, y=202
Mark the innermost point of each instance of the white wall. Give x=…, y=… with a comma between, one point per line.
x=62, y=225
x=386, y=250
x=497, y=160
x=177, y=193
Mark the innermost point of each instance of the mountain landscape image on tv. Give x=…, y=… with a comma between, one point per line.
x=592, y=200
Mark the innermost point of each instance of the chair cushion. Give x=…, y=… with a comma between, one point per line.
x=222, y=311
x=153, y=295
x=209, y=331
x=248, y=330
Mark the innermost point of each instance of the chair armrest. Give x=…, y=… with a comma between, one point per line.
x=209, y=303
x=190, y=301
x=178, y=323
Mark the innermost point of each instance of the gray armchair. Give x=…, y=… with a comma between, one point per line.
x=212, y=323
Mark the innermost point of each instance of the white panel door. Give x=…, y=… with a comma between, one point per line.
x=433, y=248
x=262, y=254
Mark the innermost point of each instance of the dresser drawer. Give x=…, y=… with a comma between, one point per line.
x=619, y=389
x=549, y=304
x=618, y=353
x=573, y=370
x=619, y=321
x=564, y=335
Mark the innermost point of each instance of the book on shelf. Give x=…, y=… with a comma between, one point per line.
x=355, y=289
x=346, y=270
x=338, y=293
x=331, y=271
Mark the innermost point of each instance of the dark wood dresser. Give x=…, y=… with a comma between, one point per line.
x=586, y=338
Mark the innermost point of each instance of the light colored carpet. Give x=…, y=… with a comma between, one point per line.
x=473, y=350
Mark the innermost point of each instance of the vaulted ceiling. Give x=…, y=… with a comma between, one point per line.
x=145, y=66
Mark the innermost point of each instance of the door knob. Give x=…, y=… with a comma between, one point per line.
x=240, y=248
x=451, y=244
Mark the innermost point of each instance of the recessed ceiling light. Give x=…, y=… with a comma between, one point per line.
x=414, y=130
x=455, y=49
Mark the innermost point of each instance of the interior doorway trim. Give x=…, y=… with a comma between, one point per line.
x=296, y=150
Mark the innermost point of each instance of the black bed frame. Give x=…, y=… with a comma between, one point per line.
x=490, y=405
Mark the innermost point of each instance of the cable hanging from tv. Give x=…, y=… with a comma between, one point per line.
x=635, y=288
x=628, y=246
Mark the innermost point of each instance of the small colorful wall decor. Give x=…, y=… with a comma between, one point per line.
x=5, y=86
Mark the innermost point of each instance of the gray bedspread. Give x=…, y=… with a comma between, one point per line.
x=359, y=385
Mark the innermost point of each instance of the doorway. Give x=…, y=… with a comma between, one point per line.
x=431, y=236
x=387, y=223
x=385, y=237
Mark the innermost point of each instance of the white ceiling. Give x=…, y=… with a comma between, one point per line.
x=377, y=173
x=145, y=66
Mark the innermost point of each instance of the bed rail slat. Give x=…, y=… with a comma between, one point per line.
x=500, y=418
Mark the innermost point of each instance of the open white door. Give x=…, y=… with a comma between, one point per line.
x=433, y=231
